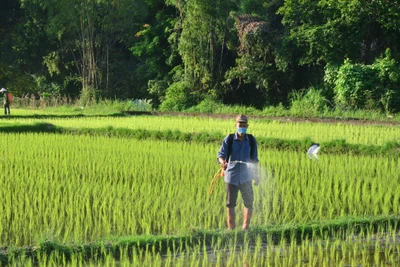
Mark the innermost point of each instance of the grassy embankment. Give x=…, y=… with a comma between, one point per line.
x=177, y=243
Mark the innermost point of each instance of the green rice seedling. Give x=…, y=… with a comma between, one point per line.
x=262, y=128
x=336, y=186
x=369, y=249
x=77, y=189
x=80, y=188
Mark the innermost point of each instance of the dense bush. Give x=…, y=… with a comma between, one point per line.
x=375, y=86
x=177, y=97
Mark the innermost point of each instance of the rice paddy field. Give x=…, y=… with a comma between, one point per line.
x=321, y=132
x=71, y=190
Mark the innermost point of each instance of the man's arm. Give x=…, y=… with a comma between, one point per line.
x=223, y=152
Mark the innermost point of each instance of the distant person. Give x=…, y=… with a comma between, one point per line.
x=6, y=101
x=238, y=155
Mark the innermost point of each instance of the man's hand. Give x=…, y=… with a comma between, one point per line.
x=224, y=165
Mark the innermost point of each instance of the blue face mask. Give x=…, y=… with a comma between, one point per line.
x=241, y=130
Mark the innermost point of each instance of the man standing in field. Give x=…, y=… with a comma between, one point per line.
x=238, y=156
x=6, y=101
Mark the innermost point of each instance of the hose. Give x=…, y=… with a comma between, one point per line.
x=219, y=173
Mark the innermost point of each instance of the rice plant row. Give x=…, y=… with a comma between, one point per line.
x=353, y=134
x=84, y=188
x=378, y=248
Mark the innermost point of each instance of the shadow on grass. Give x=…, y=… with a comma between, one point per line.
x=61, y=116
x=31, y=128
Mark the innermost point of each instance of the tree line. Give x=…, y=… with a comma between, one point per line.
x=180, y=53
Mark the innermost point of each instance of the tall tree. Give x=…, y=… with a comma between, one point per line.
x=263, y=73
x=88, y=32
x=156, y=55
x=16, y=58
x=325, y=33
x=203, y=40
x=330, y=30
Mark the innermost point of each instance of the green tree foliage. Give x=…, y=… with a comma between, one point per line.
x=255, y=62
x=20, y=56
x=202, y=31
x=90, y=36
x=329, y=30
x=155, y=48
x=375, y=86
x=181, y=52
x=264, y=68
x=177, y=97
x=323, y=33
x=355, y=86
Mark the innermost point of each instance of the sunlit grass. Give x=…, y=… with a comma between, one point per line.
x=79, y=189
x=369, y=248
x=82, y=188
x=318, y=132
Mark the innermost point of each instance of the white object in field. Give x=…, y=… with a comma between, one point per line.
x=313, y=151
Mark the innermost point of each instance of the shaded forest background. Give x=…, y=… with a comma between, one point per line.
x=336, y=53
